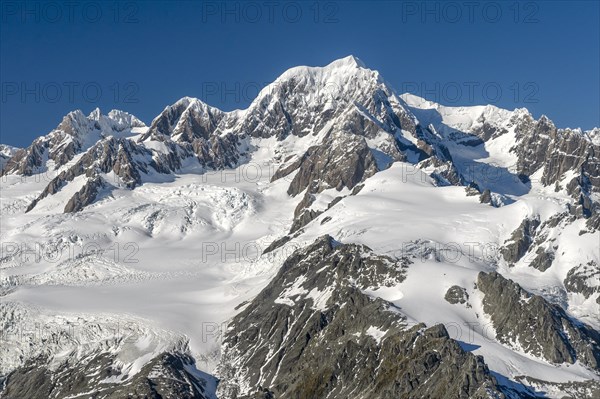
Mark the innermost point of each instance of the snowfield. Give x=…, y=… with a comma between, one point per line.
x=185, y=254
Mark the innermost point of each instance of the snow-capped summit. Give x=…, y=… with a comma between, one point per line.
x=349, y=61
x=186, y=119
x=594, y=135
x=115, y=120
x=462, y=118
x=6, y=152
x=337, y=105
x=346, y=65
x=75, y=123
x=338, y=72
x=95, y=114
x=74, y=134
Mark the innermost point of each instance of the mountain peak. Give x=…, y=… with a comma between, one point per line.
x=192, y=102
x=186, y=101
x=95, y=114
x=348, y=61
x=349, y=65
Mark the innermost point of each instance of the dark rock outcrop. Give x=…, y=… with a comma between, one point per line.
x=543, y=259
x=472, y=189
x=486, y=197
x=343, y=160
x=165, y=376
x=26, y=161
x=520, y=242
x=121, y=156
x=538, y=327
x=584, y=279
x=456, y=294
x=558, y=151
x=86, y=195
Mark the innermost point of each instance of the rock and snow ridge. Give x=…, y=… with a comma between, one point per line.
x=6, y=152
x=187, y=222
x=343, y=99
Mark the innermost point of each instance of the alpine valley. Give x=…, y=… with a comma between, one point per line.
x=333, y=240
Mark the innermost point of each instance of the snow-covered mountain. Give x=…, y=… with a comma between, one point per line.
x=6, y=152
x=334, y=239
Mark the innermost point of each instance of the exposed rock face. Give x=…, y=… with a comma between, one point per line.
x=521, y=240
x=312, y=332
x=86, y=195
x=584, y=279
x=486, y=197
x=129, y=161
x=472, y=189
x=538, y=146
x=538, y=327
x=184, y=130
x=186, y=120
x=303, y=216
x=531, y=242
x=456, y=294
x=303, y=219
x=344, y=104
x=26, y=161
x=72, y=136
x=488, y=129
x=573, y=151
x=118, y=155
x=6, y=153
x=534, y=139
x=166, y=376
x=360, y=122
x=593, y=223
x=558, y=151
x=543, y=259
x=444, y=173
x=219, y=152
x=343, y=160
x=304, y=100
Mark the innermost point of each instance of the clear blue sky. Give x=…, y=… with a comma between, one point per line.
x=142, y=56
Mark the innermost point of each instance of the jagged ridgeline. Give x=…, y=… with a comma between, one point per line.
x=360, y=126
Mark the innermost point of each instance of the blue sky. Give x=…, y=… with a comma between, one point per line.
x=142, y=56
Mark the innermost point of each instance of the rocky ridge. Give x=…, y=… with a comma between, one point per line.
x=314, y=332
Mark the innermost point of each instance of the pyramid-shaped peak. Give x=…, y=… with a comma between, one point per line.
x=349, y=61
x=185, y=103
x=95, y=114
